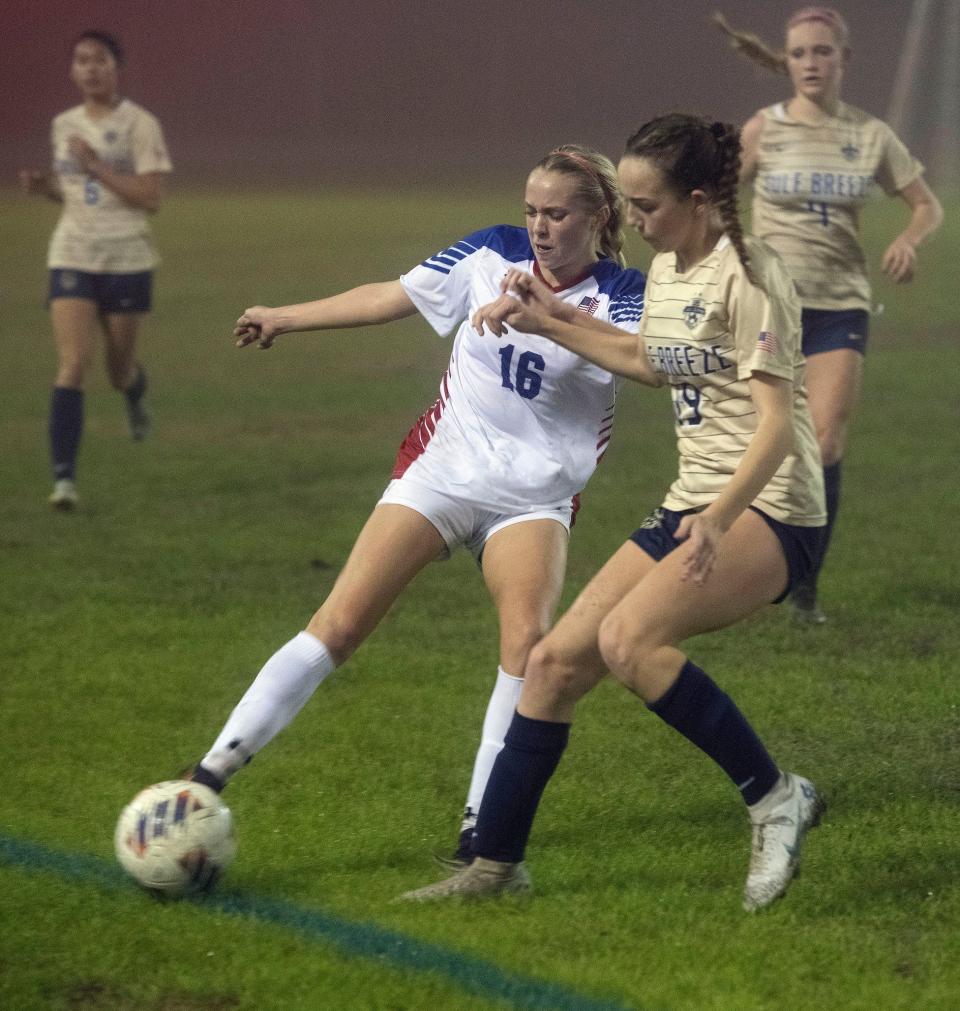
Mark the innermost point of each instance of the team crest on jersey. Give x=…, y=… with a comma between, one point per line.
x=850, y=151
x=694, y=312
x=589, y=305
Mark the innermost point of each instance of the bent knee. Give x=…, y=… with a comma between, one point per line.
x=626, y=647
x=553, y=676
x=517, y=641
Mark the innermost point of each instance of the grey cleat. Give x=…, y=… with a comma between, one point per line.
x=478, y=880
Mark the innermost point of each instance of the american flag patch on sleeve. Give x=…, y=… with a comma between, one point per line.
x=589, y=305
x=767, y=342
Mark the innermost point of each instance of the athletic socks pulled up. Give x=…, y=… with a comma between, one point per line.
x=531, y=752
x=277, y=694
x=697, y=708
x=65, y=430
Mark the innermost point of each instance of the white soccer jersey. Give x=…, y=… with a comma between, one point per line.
x=810, y=186
x=98, y=231
x=520, y=422
x=707, y=331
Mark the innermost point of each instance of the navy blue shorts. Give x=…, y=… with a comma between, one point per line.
x=833, y=329
x=116, y=293
x=800, y=544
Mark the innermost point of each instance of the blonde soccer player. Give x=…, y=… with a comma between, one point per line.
x=109, y=163
x=736, y=531
x=814, y=163
x=495, y=465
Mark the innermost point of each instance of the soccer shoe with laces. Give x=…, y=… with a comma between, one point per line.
x=64, y=495
x=777, y=838
x=464, y=854
x=480, y=879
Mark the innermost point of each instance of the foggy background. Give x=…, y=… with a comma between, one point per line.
x=340, y=91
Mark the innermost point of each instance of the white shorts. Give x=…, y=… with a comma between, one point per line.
x=461, y=522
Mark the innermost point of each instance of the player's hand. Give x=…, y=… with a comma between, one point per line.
x=35, y=183
x=258, y=325
x=900, y=260
x=506, y=311
x=534, y=294
x=702, y=535
x=83, y=152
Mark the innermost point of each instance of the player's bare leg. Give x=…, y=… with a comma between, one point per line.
x=523, y=566
x=394, y=545
x=125, y=373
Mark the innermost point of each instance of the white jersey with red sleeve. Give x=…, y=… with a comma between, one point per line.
x=520, y=422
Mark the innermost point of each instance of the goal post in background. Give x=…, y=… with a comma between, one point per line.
x=924, y=109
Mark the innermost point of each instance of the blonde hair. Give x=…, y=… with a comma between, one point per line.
x=695, y=153
x=755, y=49
x=597, y=188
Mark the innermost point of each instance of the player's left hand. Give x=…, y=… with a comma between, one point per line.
x=900, y=260
x=702, y=535
x=82, y=151
x=505, y=311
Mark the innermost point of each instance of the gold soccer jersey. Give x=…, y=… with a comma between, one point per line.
x=810, y=185
x=98, y=231
x=707, y=331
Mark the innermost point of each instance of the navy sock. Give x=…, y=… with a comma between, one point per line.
x=135, y=391
x=531, y=752
x=831, y=487
x=695, y=707
x=66, y=427
x=203, y=775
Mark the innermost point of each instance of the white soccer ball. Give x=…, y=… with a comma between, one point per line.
x=175, y=838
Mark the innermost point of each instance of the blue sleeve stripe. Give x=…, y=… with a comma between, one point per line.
x=432, y=266
x=448, y=258
x=625, y=317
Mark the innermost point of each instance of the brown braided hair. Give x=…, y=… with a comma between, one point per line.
x=597, y=187
x=694, y=153
x=755, y=49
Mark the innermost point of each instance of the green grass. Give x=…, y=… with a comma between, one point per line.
x=131, y=627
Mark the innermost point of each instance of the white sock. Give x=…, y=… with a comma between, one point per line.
x=278, y=693
x=500, y=710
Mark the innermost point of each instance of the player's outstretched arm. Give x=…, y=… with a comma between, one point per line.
x=40, y=184
x=530, y=307
x=368, y=304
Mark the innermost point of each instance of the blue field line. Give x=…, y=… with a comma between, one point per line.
x=363, y=939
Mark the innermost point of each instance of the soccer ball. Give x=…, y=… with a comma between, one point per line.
x=175, y=838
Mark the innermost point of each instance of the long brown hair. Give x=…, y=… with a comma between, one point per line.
x=694, y=153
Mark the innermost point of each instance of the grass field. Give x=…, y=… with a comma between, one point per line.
x=131, y=627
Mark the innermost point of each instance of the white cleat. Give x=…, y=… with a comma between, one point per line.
x=777, y=837
x=478, y=880
x=64, y=495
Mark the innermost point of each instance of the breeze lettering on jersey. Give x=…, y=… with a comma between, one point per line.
x=685, y=360
x=817, y=184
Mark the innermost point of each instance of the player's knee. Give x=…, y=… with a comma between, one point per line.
x=517, y=641
x=626, y=648
x=550, y=675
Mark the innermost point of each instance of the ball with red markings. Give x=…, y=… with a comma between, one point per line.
x=175, y=838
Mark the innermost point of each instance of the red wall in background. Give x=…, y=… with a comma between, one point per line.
x=295, y=90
